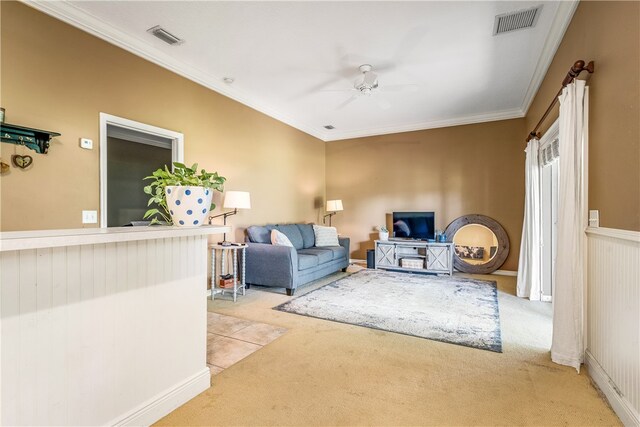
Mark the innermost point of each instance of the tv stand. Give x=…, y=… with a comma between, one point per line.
x=421, y=256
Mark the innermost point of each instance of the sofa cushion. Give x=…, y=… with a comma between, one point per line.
x=325, y=236
x=279, y=239
x=338, y=252
x=307, y=261
x=293, y=233
x=308, y=237
x=323, y=254
x=259, y=233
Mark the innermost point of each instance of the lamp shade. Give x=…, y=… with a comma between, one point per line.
x=237, y=200
x=334, y=205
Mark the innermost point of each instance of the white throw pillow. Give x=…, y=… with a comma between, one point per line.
x=279, y=239
x=326, y=236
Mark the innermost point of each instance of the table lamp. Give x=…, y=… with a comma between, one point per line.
x=333, y=206
x=233, y=200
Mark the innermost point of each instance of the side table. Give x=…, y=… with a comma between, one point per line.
x=222, y=252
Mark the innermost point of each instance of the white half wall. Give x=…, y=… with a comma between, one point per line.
x=103, y=333
x=613, y=318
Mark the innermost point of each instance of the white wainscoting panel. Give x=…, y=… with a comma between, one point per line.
x=613, y=318
x=106, y=333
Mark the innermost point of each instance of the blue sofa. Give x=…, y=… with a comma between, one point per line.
x=289, y=267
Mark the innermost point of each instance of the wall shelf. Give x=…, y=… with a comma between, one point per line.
x=34, y=139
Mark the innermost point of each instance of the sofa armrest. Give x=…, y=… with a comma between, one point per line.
x=271, y=265
x=344, y=242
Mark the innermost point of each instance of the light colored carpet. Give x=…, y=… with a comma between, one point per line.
x=450, y=309
x=326, y=373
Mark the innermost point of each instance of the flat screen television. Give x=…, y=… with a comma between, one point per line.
x=414, y=225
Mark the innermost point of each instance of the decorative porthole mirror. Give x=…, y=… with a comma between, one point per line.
x=481, y=244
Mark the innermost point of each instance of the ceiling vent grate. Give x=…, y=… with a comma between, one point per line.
x=165, y=35
x=518, y=20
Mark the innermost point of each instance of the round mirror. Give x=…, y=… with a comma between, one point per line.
x=475, y=244
x=481, y=244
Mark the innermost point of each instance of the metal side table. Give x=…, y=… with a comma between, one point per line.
x=222, y=253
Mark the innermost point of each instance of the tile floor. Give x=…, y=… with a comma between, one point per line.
x=230, y=339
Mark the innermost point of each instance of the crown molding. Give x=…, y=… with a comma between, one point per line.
x=559, y=26
x=515, y=113
x=76, y=17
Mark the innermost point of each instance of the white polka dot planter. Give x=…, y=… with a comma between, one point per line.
x=188, y=205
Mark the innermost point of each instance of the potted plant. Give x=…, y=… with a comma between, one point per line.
x=383, y=233
x=182, y=196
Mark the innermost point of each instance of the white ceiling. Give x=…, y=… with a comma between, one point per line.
x=297, y=61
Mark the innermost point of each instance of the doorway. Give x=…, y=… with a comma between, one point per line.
x=549, y=182
x=130, y=151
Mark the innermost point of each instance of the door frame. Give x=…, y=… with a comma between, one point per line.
x=177, y=150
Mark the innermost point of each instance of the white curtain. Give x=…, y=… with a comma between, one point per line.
x=529, y=265
x=567, y=345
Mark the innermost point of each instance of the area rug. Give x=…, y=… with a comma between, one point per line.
x=448, y=309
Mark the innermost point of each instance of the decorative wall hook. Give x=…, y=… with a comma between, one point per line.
x=21, y=162
x=34, y=139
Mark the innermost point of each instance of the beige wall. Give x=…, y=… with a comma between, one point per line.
x=609, y=34
x=474, y=169
x=58, y=78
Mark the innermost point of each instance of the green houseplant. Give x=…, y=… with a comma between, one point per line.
x=182, y=196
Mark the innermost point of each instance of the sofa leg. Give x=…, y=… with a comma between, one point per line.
x=344, y=270
x=290, y=292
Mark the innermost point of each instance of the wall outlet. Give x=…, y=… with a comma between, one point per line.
x=89, y=217
x=86, y=143
x=594, y=218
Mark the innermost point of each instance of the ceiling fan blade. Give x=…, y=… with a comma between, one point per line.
x=337, y=90
x=409, y=43
x=383, y=103
x=347, y=102
x=400, y=88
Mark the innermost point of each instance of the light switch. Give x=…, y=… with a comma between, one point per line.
x=594, y=218
x=86, y=143
x=89, y=217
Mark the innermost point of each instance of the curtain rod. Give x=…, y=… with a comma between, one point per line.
x=573, y=73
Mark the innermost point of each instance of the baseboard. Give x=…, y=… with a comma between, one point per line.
x=506, y=273
x=357, y=261
x=620, y=405
x=159, y=406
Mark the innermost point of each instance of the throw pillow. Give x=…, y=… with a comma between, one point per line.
x=325, y=236
x=279, y=239
x=259, y=234
x=293, y=234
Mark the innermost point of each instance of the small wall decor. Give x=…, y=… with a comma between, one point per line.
x=471, y=252
x=21, y=162
x=4, y=167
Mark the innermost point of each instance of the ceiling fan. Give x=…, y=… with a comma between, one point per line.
x=369, y=80
x=368, y=85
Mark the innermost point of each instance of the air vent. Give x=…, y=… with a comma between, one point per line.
x=329, y=127
x=518, y=20
x=165, y=35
